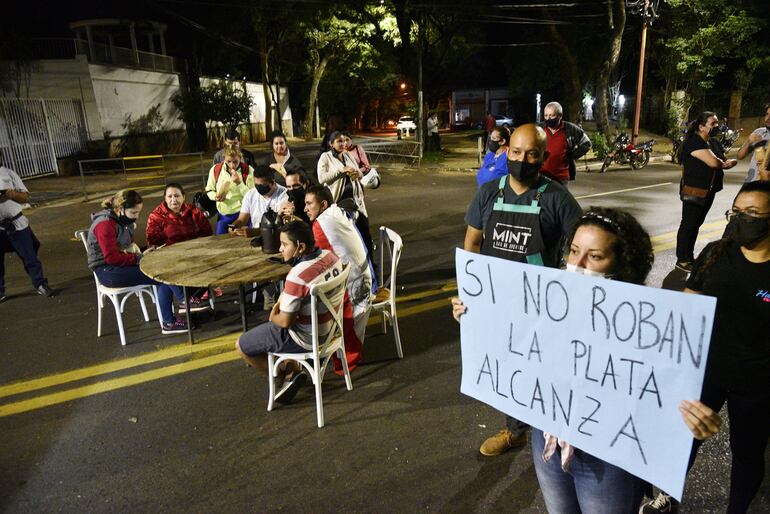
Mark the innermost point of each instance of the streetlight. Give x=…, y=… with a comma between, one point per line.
x=648, y=10
x=403, y=85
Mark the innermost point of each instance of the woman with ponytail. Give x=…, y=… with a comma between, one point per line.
x=114, y=257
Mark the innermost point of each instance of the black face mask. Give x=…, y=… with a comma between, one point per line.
x=125, y=220
x=715, y=132
x=552, y=122
x=263, y=190
x=522, y=170
x=749, y=229
x=493, y=145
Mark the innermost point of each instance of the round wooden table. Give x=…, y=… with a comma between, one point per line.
x=213, y=261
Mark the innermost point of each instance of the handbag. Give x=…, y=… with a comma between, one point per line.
x=371, y=180
x=695, y=195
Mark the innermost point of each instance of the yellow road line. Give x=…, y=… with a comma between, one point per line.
x=117, y=365
x=714, y=234
x=706, y=226
x=140, y=157
x=116, y=383
x=144, y=168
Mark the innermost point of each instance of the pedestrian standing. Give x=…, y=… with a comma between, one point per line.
x=523, y=202
x=702, y=176
x=566, y=143
x=736, y=271
x=489, y=126
x=757, y=140
x=434, y=142
x=15, y=233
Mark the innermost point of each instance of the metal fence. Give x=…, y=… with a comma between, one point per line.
x=382, y=150
x=141, y=172
x=34, y=132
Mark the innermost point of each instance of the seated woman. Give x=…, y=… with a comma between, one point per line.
x=281, y=159
x=495, y=164
x=605, y=243
x=340, y=173
x=174, y=221
x=228, y=183
x=114, y=257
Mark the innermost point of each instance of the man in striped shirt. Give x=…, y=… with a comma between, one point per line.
x=333, y=230
x=289, y=325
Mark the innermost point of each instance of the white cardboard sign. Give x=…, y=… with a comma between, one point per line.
x=599, y=363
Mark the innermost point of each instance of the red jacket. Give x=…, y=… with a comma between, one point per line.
x=166, y=227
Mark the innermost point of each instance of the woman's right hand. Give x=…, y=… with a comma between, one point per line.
x=729, y=164
x=702, y=421
x=458, y=308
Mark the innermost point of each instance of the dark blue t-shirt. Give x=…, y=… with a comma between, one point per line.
x=558, y=212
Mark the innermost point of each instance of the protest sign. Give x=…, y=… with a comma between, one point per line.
x=599, y=363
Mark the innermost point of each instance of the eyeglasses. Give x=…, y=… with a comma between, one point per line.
x=751, y=213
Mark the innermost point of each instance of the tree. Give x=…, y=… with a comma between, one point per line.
x=328, y=38
x=616, y=20
x=695, y=42
x=219, y=102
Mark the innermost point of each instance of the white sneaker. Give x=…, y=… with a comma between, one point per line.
x=662, y=503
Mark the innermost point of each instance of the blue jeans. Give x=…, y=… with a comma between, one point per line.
x=125, y=276
x=225, y=219
x=21, y=242
x=591, y=486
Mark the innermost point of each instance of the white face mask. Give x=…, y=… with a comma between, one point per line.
x=573, y=268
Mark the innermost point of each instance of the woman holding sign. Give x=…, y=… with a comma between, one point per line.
x=736, y=271
x=611, y=244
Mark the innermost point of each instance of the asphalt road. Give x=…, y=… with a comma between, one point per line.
x=89, y=426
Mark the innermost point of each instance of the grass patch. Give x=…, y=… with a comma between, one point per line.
x=433, y=157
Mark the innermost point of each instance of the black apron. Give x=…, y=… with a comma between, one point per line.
x=513, y=230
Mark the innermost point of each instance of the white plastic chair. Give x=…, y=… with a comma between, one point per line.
x=331, y=294
x=115, y=293
x=385, y=301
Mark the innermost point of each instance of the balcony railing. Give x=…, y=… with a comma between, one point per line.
x=68, y=48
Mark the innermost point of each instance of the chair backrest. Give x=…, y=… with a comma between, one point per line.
x=331, y=294
x=392, y=241
x=83, y=236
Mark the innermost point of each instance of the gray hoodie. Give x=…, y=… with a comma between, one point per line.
x=125, y=236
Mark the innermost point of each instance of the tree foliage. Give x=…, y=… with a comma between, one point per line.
x=695, y=41
x=220, y=102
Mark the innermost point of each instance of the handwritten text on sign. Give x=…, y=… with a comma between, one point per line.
x=600, y=363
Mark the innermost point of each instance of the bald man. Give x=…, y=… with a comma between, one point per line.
x=522, y=217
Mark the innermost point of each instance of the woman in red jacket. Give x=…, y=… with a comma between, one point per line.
x=174, y=221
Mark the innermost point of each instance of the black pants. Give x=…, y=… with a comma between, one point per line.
x=362, y=224
x=693, y=216
x=749, y=415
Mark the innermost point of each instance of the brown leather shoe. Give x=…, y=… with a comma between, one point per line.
x=502, y=442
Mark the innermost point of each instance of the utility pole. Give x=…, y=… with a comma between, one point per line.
x=647, y=9
x=420, y=131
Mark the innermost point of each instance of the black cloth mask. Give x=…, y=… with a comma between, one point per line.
x=715, y=132
x=749, y=229
x=262, y=189
x=493, y=145
x=522, y=170
x=125, y=220
x=552, y=122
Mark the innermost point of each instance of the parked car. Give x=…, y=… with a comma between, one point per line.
x=500, y=121
x=503, y=121
x=405, y=126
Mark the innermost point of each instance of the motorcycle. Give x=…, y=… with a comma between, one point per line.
x=728, y=137
x=624, y=152
x=676, y=157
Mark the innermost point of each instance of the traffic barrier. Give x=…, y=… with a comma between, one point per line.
x=140, y=171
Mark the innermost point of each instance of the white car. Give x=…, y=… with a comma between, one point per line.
x=503, y=121
x=405, y=126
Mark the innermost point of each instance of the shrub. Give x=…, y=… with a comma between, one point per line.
x=599, y=145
